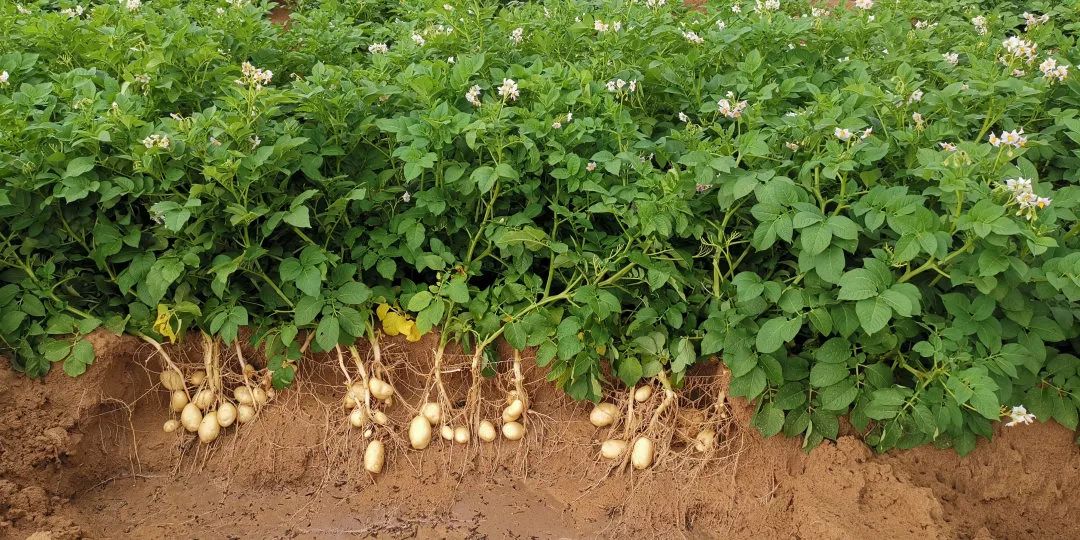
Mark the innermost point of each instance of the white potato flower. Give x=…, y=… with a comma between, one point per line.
x=1019, y=415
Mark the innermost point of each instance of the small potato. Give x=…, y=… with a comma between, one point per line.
x=486, y=431
x=374, y=457
x=419, y=433
x=705, y=440
x=431, y=411
x=604, y=415
x=259, y=396
x=380, y=389
x=209, y=429
x=642, y=454
x=226, y=414
x=191, y=417
x=643, y=393
x=203, y=399
x=171, y=426
x=177, y=401
x=461, y=434
x=447, y=433
x=513, y=431
x=172, y=380
x=357, y=417
x=197, y=378
x=690, y=418
x=245, y=414
x=613, y=448
x=513, y=411
x=380, y=418
x=242, y=395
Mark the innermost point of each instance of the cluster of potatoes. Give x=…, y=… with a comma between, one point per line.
x=606, y=414
x=642, y=452
x=421, y=426
x=199, y=414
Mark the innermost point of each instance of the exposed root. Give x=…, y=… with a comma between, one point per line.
x=658, y=429
x=474, y=397
x=442, y=397
x=212, y=366
x=245, y=369
x=691, y=429
x=164, y=356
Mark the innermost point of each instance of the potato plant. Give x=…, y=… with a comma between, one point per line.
x=868, y=211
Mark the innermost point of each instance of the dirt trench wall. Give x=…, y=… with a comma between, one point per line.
x=87, y=457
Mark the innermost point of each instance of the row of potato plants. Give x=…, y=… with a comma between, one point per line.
x=868, y=211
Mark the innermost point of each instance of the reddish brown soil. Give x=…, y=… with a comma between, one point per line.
x=87, y=457
x=280, y=15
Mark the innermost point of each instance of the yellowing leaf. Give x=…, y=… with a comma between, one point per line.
x=601, y=350
x=382, y=310
x=412, y=333
x=162, y=325
x=391, y=324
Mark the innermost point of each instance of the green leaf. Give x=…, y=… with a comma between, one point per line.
x=430, y=316
x=750, y=385
x=353, y=293
x=1065, y=412
x=897, y=301
x=79, y=166
x=545, y=353
x=823, y=374
x=874, y=314
x=834, y=351
x=629, y=370
x=516, y=335
x=884, y=404
x=306, y=309
x=326, y=334
x=857, y=284
x=684, y=357
x=790, y=396
x=769, y=420
x=298, y=217
x=387, y=268
x=82, y=355
x=816, y=238
x=986, y=403
x=838, y=396
x=569, y=346
x=309, y=281
x=227, y=323
x=353, y=323
x=419, y=301
x=161, y=276
x=457, y=290
x=288, y=334
x=485, y=178
x=775, y=332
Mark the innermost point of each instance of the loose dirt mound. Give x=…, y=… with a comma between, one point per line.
x=87, y=458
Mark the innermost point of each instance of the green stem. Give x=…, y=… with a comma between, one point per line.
x=843, y=195
x=495, y=335
x=931, y=263
x=617, y=275
x=480, y=230
x=274, y=287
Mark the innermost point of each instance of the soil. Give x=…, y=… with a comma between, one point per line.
x=87, y=457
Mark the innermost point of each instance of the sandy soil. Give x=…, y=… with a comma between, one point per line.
x=87, y=458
